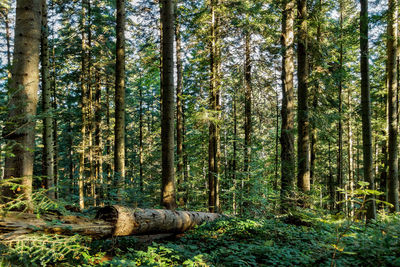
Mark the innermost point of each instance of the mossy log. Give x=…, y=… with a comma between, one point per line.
x=110, y=221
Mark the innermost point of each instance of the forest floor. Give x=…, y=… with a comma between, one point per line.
x=304, y=238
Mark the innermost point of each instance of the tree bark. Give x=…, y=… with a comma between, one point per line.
x=48, y=151
x=303, y=141
x=366, y=107
x=20, y=125
x=179, y=111
x=84, y=111
x=119, y=143
x=287, y=137
x=213, y=145
x=110, y=221
x=339, y=179
x=129, y=221
x=247, y=111
x=393, y=182
x=168, y=198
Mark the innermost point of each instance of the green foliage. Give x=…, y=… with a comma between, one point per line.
x=42, y=250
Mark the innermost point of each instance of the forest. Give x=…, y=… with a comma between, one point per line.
x=199, y=133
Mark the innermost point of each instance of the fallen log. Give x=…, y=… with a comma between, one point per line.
x=110, y=221
x=129, y=221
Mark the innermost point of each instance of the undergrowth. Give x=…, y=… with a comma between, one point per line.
x=310, y=240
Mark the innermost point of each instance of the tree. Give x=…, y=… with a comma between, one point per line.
x=287, y=137
x=168, y=198
x=393, y=180
x=119, y=150
x=303, y=141
x=366, y=105
x=20, y=125
x=48, y=151
x=214, y=139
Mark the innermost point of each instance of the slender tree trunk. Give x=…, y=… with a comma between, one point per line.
x=119, y=143
x=339, y=180
x=366, y=107
x=179, y=111
x=318, y=63
x=331, y=183
x=247, y=114
x=98, y=158
x=168, y=198
x=108, y=165
x=141, y=138
x=393, y=182
x=234, y=161
x=20, y=130
x=48, y=155
x=287, y=136
x=213, y=146
x=277, y=144
x=303, y=141
x=84, y=92
x=350, y=154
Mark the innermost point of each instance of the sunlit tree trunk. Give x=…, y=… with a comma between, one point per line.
x=19, y=132
x=287, y=136
x=168, y=198
x=393, y=181
x=339, y=178
x=48, y=152
x=119, y=130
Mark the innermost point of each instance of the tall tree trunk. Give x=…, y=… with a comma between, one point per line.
x=287, y=137
x=247, y=113
x=20, y=126
x=140, y=138
x=168, y=198
x=277, y=144
x=213, y=146
x=303, y=141
x=48, y=155
x=366, y=107
x=98, y=183
x=234, y=160
x=331, y=183
x=84, y=102
x=350, y=153
x=318, y=63
x=393, y=181
x=339, y=179
x=119, y=143
x=179, y=110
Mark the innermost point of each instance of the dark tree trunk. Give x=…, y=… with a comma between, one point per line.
x=247, y=114
x=48, y=151
x=366, y=106
x=179, y=112
x=303, y=141
x=168, y=198
x=119, y=130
